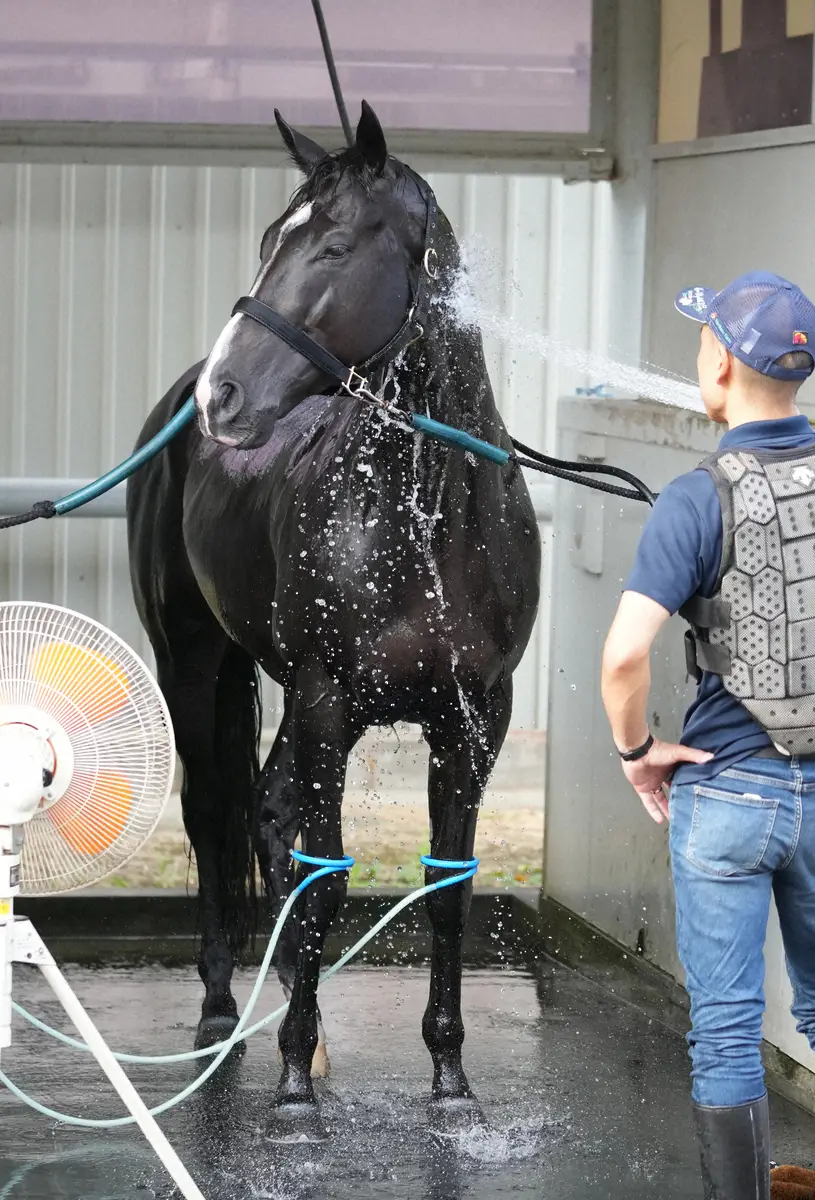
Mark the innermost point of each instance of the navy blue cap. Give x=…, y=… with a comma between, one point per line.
x=758, y=317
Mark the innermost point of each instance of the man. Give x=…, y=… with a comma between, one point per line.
x=732, y=544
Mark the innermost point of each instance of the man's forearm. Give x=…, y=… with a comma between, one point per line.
x=625, y=687
x=626, y=683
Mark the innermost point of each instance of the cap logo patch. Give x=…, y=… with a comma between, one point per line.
x=693, y=298
x=804, y=476
x=799, y=338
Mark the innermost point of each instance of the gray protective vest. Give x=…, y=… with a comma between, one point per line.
x=758, y=630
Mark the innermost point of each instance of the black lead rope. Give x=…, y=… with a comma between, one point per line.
x=574, y=470
x=43, y=508
x=577, y=475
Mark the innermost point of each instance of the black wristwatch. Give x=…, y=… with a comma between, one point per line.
x=640, y=752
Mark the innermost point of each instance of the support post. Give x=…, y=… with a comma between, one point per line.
x=28, y=947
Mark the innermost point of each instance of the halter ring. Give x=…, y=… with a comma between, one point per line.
x=355, y=384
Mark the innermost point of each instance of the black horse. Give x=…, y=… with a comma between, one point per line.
x=378, y=576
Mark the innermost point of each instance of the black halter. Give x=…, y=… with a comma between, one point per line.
x=356, y=380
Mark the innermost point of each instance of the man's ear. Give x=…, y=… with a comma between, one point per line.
x=725, y=365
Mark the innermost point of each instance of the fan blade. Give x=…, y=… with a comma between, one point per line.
x=93, y=682
x=93, y=824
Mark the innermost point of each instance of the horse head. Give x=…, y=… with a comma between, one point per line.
x=340, y=264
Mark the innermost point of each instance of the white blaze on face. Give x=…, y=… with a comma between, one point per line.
x=221, y=349
x=298, y=217
x=203, y=388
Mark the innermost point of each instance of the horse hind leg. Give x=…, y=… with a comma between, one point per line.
x=211, y=691
x=276, y=826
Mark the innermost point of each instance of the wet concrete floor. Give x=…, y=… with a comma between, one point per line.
x=582, y=1095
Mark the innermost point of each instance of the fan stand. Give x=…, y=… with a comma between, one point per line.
x=20, y=943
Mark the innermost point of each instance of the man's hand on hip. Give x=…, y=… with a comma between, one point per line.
x=649, y=776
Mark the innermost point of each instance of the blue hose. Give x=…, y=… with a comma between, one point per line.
x=124, y=470
x=450, y=864
x=467, y=870
x=457, y=437
x=223, y=1050
x=433, y=429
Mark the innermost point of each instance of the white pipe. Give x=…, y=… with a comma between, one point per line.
x=130, y=1097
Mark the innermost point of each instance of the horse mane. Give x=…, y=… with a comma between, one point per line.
x=333, y=168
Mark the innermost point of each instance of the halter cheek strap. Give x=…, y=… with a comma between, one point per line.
x=302, y=342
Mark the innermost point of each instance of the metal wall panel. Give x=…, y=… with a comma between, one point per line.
x=114, y=279
x=713, y=217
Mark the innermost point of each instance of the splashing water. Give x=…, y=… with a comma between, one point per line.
x=474, y=299
x=422, y=532
x=489, y=1146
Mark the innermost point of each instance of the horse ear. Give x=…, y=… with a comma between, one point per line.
x=371, y=140
x=304, y=152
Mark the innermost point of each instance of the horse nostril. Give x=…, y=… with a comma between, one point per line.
x=229, y=397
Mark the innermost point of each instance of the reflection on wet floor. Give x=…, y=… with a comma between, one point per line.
x=582, y=1096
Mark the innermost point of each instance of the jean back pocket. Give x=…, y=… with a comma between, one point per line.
x=729, y=832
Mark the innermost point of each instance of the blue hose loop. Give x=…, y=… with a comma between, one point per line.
x=336, y=864
x=469, y=866
x=326, y=866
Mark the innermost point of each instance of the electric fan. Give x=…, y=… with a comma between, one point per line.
x=87, y=757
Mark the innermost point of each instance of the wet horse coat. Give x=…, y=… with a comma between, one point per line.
x=376, y=575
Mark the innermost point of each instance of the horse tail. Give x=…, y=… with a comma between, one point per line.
x=237, y=744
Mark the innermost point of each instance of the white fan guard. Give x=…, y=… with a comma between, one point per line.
x=84, y=685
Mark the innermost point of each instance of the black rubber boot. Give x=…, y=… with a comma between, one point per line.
x=734, y=1144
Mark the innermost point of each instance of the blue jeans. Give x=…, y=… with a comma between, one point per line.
x=734, y=838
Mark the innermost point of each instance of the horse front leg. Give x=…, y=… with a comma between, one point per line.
x=325, y=730
x=276, y=826
x=463, y=748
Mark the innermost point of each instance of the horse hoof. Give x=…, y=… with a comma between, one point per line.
x=295, y=1125
x=451, y=1116
x=212, y=1030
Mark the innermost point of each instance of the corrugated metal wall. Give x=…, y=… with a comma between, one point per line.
x=113, y=280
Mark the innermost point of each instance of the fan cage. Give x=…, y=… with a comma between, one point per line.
x=87, y=679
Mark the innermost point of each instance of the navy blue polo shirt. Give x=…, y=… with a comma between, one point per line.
x=679, y=555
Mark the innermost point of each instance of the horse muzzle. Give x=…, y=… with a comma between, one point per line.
x=222, y=415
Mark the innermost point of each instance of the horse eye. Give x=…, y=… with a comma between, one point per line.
x=335, y=252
